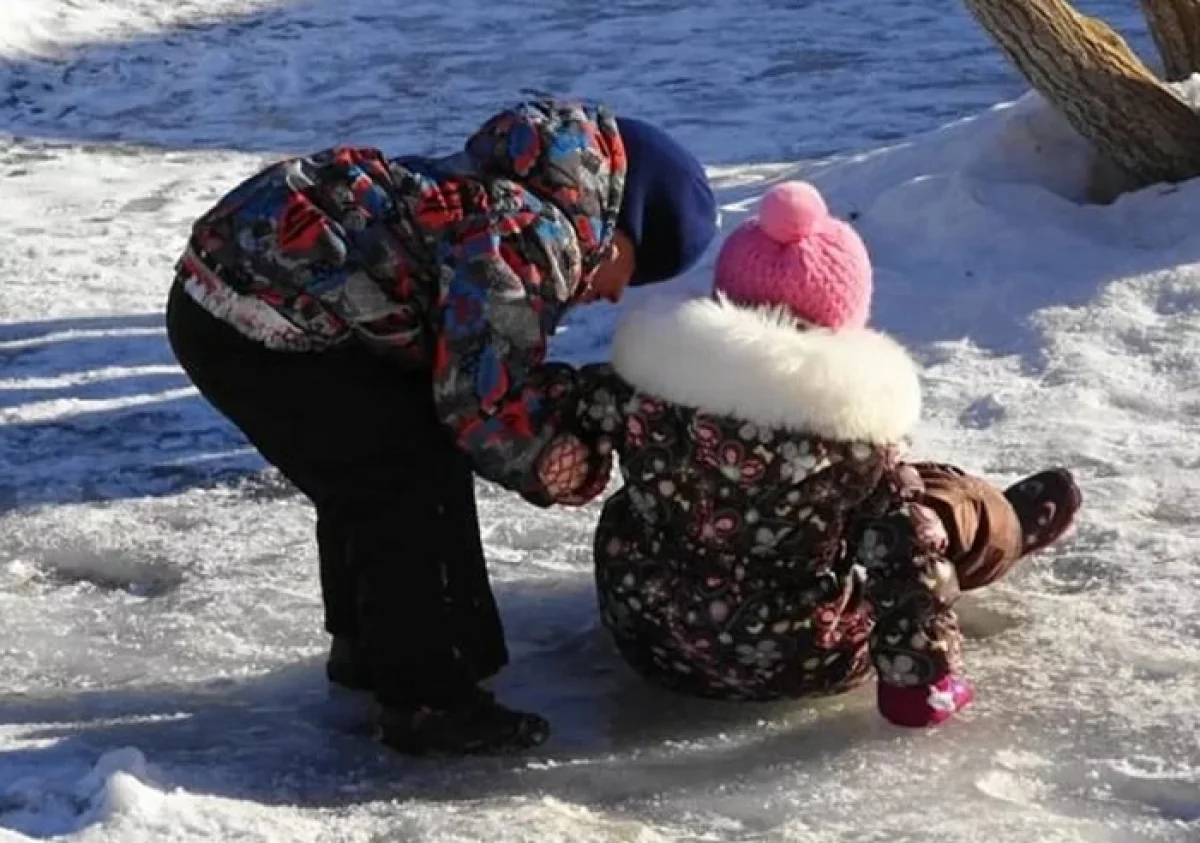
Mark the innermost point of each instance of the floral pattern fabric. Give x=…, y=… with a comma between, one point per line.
x=746, y=562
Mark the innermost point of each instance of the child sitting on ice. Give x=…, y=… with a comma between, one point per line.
x=768, y=541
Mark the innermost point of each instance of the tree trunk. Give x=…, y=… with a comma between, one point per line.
x=1175, y=25
x=1088, y=73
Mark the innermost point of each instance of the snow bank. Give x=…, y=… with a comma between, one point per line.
x=118, y=800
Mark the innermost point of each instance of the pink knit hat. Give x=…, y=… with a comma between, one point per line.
x=796, y=255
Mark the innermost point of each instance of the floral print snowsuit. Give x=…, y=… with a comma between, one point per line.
x=765, y=543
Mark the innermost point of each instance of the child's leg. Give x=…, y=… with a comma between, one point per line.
x=430, y=624
x=348, y=664
x=990, y=530
x=402, y=565
x=257, y=389
x=984, y=532
x=339, y=591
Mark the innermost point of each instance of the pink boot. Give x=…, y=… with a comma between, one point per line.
x=927, y=705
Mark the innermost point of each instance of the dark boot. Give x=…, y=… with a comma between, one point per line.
x=1045, y=504
x=476, y=726
x=348, y=666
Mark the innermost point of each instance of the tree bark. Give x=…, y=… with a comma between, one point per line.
x=1087, y=72
x=1175, y=26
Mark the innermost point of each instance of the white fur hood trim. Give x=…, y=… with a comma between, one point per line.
x=755, y=364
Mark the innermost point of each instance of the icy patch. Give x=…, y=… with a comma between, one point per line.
x=271, y=75
x=131, y=562
x=1170, y=789
x=139, y=577
x=1010, y=787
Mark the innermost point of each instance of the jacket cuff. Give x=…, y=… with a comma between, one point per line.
x=533, y=491
x=920, y=706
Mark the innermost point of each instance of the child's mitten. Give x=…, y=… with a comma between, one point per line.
x=573, y=473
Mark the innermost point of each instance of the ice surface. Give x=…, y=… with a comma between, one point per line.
x=160, y=645
x=740, y=81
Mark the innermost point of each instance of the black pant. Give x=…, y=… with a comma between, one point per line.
x=402, y=565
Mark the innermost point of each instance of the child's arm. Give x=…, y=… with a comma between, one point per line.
x=517, y=261
x=599, y=409
x=577, y=464
x=916, y=645
x=508, y=408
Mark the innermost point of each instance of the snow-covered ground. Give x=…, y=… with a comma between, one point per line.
x=160, y=645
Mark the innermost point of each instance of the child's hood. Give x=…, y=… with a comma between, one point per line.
x=761, y=366
x=567, y=153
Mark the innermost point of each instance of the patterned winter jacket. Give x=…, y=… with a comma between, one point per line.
x=463, y=265
x=765, y=543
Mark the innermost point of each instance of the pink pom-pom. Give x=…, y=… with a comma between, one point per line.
x=790, y=211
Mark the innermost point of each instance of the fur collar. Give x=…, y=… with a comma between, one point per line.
x=757, y=365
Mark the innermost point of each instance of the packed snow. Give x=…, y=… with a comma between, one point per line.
x=161, y=651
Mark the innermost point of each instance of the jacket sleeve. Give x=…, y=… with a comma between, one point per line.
x=916, y=646
x=597, y=411
x=514, y=245
x=499, y=305
x=577, y=466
